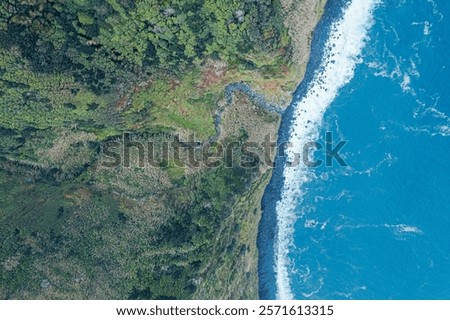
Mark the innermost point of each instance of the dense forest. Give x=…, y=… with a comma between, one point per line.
x=61, y=59
x=76, y=74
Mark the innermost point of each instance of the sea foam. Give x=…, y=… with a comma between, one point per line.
x=343, y=49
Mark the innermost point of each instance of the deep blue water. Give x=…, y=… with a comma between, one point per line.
x=380, y=227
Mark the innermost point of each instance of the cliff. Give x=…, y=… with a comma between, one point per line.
x=127, y=171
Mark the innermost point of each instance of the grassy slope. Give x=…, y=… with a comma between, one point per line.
x=234, y=275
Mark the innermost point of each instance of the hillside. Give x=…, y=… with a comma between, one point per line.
x=83, y=81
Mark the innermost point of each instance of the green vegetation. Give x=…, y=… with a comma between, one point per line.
x=62, y=63
x=112, y=239
x=76, y=74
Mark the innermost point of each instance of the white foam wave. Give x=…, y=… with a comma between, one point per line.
x=436, y=113
x=442, y=130
x=424, y=110
x=435, y=10
x=388, y=159
x=398, y=229
x=347, y=38
x=394, y=70
x=310, y=294
x=404, y=229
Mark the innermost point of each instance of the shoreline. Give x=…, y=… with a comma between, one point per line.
x=277, y=223
x=246, y=282
x=296, y=23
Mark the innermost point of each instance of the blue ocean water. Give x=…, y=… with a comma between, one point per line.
x=379, y=227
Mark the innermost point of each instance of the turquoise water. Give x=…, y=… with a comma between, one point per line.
x=378, y=228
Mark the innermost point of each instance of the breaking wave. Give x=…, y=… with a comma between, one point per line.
x=343, y=49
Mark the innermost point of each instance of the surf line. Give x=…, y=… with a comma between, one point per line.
x=346, y=39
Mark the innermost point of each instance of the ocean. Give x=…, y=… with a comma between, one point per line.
x=376, y=227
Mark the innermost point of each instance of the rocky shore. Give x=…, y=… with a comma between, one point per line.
x=245, y=108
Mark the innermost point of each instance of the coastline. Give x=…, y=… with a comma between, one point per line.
x=239, y=277
x=302, y=30
x=277, y=223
